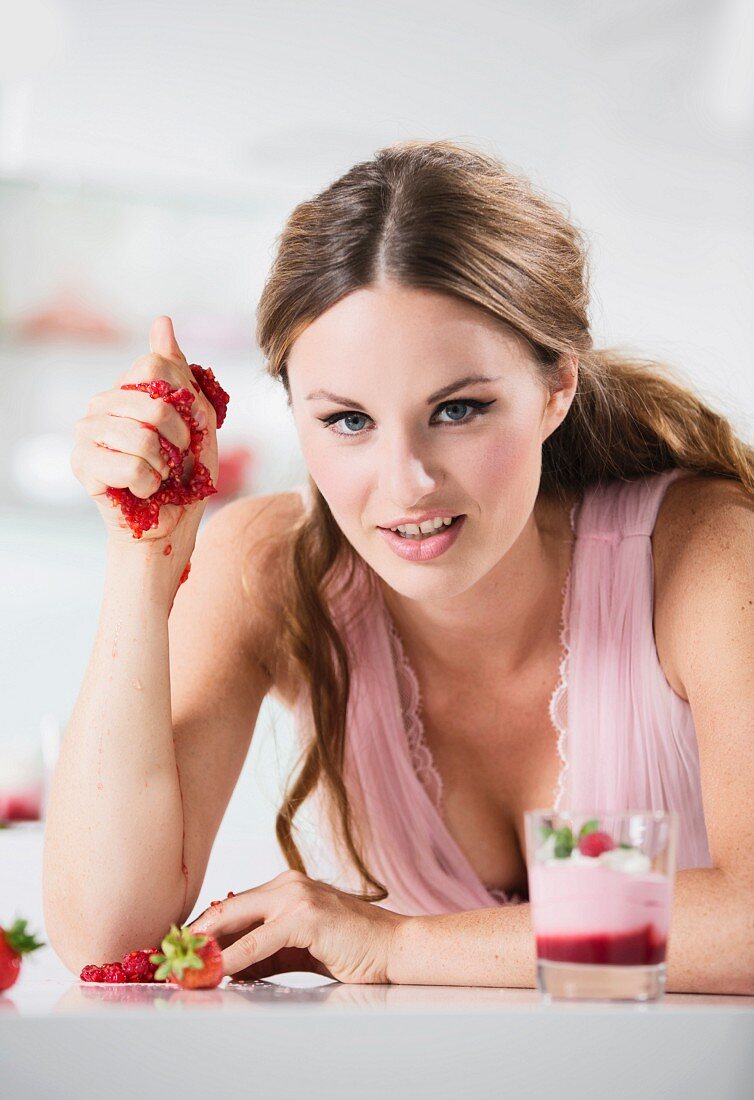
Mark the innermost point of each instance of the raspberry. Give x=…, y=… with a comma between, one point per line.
x=212, y=390
x=91, y=973
x=143, y=515
x=113, y=972
x=593, y=844
x=137, y=967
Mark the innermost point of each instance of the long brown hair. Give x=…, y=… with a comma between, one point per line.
x=441, y=216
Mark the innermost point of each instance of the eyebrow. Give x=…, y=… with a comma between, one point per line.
x=446, y=391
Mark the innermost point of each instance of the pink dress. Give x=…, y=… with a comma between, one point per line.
x=626, y=740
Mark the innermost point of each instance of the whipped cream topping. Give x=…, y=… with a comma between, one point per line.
x=630, y=860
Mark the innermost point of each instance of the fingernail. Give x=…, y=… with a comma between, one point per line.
x=201, y=419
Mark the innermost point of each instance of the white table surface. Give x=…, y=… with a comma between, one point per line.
x=302, y=1035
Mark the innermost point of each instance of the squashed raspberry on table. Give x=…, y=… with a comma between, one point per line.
x=113, y=972
x=143, y=515
x=91, y=973
x=137, y=966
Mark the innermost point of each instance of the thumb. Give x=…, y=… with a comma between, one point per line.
x=162, y=340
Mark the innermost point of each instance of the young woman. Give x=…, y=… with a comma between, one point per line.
x=579, y=631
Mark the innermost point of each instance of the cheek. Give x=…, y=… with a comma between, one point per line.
x=339, y=481
x=507, y=462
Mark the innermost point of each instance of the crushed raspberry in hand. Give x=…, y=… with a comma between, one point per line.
x=594, y=844
x=143, y=515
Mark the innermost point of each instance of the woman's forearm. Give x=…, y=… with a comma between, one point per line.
x=492, y=947
x=710, y=946
x=113, y=838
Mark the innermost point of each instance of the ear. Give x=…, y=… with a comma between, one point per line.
x=561, y=393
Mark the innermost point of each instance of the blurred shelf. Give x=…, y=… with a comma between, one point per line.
x=247, y=200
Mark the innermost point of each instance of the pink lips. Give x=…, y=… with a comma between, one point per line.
x=421, y=550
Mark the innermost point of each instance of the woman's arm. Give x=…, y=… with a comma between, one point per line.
x=708, y=622
x=114, y=825
x=157, y=739
x=710, y=949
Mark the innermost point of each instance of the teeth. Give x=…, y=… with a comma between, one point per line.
x=413, y=530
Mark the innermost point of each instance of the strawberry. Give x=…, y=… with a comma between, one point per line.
x=14, y=942
x=593, y=844
x=194, y=962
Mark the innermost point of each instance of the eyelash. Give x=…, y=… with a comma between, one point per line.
x=478, y=406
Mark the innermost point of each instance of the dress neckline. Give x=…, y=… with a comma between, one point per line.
x=420, y=753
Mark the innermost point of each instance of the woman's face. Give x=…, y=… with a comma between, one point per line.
x=388, y=447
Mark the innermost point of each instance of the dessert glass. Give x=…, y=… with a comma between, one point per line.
x=600, y=890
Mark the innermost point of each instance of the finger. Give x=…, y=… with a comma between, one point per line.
x=269, y=938
x=116, y=469
x=152, y=368
x=286, y=961
x=162, y=340
x=140, y=406
x=120, y=433
x=234, y=914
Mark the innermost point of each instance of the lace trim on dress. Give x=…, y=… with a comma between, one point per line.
x=558, y=708
x=410, y=696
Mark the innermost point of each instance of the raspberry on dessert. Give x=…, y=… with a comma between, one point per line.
x=594, y=844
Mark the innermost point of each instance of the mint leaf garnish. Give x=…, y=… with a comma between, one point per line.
x=589, y=827
x=563, y=842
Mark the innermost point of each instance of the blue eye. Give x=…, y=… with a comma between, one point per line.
x=478, y=408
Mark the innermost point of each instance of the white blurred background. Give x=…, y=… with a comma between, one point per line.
x=149, y=156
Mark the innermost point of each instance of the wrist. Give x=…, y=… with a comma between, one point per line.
x=145, y=569
x=403, y=954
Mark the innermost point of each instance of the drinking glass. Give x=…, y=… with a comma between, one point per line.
x=600, y=890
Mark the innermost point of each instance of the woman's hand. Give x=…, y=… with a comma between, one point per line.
x=119, y=445
x=297, y=923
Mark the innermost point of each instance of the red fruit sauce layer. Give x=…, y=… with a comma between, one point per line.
x=143, y=515
x=639, y=948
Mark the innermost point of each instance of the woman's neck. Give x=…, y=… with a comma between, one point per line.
x=506, y=620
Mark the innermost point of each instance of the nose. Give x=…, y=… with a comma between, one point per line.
x=407, y=474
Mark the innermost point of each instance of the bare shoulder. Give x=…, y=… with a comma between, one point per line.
x=700, y=522
x=250, y=537
x=699, y=506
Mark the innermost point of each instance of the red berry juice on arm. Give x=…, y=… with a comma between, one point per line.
x=600, y=889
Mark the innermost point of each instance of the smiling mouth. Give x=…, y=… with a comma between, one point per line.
x=421, y=537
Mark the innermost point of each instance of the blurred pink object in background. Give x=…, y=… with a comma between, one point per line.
x=21, y=805
x=67, y=315
x=234, y=476
x=21, y=782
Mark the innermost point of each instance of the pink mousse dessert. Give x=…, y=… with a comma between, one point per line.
x=598, y=903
